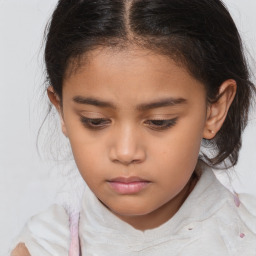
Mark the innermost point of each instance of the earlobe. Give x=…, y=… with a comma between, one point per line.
x=55, y=100
x=217, y=111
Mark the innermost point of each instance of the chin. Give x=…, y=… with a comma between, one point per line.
x=129, y=211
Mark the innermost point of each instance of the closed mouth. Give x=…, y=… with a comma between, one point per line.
x=128, y=185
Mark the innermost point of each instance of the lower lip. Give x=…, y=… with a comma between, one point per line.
x=128, y=188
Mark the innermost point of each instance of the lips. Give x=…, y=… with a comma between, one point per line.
x=128, y=179
x=128, y=185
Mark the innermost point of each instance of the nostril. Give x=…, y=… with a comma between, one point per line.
x=137, y=161
x=126, y=153
x=127, y=162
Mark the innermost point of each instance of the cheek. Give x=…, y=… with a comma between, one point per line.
x=175, y=166
x=88, y=152
x=87, y=156
x=187, y=148
x=90, y=164
x=179, y=151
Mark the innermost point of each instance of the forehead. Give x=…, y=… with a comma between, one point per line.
x=131, y=72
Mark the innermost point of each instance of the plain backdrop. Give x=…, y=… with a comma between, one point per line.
x=27, y=185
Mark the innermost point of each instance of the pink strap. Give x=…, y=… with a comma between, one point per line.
x=74, y=249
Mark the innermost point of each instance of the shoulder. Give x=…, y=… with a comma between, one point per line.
x=46, y=233
x=234, y=224
x=221, y=219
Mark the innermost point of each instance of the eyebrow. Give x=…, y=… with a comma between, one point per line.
x=93, y=101
x=166, y=102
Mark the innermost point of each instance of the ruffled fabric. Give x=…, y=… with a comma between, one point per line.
x=70, y=198
x=46, y=234
x=212, y=221
x=247, y=210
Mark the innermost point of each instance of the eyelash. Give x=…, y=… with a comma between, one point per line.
x=88, y=122
x=161, y=124
x=155, y=124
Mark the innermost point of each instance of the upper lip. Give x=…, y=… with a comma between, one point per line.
x=128, y=179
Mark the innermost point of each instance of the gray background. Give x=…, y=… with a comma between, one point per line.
x=28, y=184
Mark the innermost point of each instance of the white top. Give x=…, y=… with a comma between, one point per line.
x=208, y=223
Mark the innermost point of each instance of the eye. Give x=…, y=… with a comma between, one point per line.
x=95, y=123
x=159, y=124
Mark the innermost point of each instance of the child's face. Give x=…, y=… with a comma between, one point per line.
x=141, y=147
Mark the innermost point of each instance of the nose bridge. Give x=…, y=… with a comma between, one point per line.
x=127, y=147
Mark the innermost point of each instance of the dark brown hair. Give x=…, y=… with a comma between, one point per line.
x=199, y=34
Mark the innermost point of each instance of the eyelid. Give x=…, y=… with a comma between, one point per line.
x=161, y=118
x=169, y=123
x=91, y=114
x=88, y=122
x=93, y=119
x=153, y=116
x=101, y=123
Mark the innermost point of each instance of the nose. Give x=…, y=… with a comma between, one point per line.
x=127, y=147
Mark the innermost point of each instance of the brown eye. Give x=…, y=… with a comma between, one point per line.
x=95, y=123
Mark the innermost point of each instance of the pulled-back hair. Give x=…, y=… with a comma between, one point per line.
x=198, y=34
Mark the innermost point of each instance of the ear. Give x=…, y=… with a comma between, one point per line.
x=217, y=111
x=55, y=100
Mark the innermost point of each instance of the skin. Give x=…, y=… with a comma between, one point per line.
x=127, y=141
x=20, y=250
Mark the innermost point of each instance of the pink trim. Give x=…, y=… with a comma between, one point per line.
x=236, y=199
x=242, y=235
x=74, y=249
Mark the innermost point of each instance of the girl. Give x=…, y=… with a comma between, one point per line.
x=142, y=87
